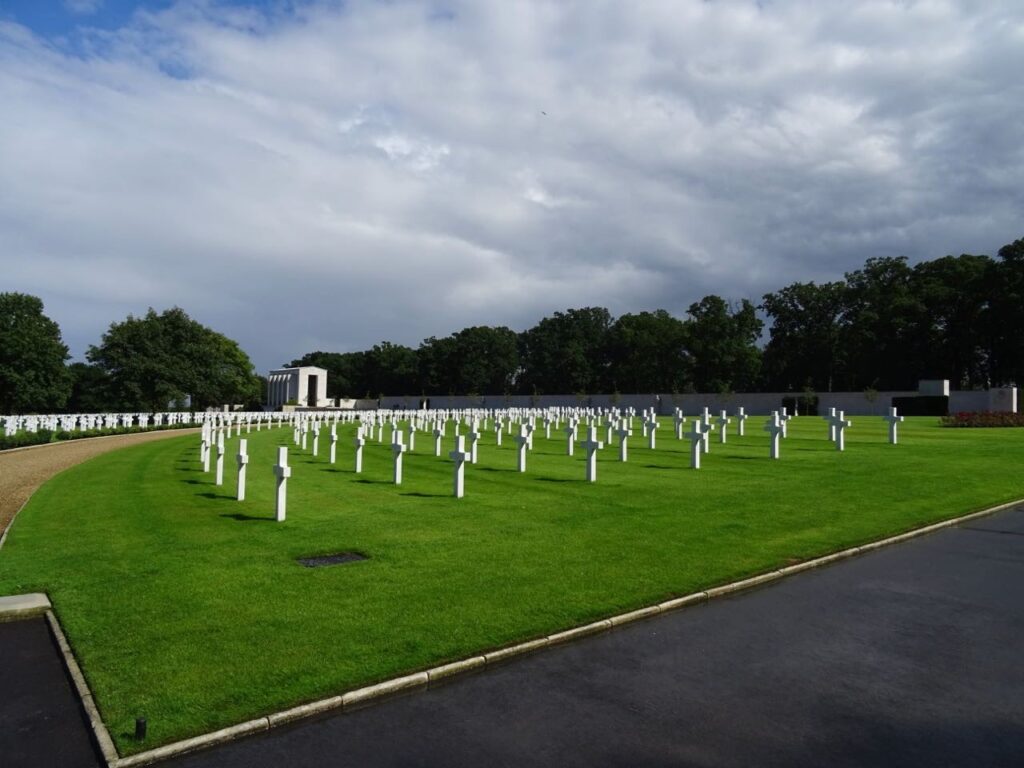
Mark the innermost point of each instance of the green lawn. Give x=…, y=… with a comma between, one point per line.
x=188, y=607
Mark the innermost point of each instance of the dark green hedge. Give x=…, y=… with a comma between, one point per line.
x=43, y=436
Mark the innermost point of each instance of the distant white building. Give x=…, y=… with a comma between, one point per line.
x=305, y=386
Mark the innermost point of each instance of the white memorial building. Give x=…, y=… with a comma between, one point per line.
x=305, y=386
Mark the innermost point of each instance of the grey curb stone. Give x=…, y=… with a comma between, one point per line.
x=682, y=602
x=99, y=730
x=191, y=745
x=360, y=695
x=455, y=668
x=577, y=632
x=515, y=650
x=642, y=613
x=16, y=607
x=304, y=710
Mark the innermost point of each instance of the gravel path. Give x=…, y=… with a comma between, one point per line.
x=24, y=470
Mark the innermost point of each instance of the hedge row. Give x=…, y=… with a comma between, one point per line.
x=43, y=436
x=992, y=419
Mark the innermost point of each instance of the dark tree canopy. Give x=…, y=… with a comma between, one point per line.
x=33, y=377
x=160, y=359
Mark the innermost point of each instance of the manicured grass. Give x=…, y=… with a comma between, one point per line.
x=188, y=607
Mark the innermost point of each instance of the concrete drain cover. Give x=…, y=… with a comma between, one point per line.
x=338, y=559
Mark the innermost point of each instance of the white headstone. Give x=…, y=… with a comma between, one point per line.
x=220, y=458
x=282, y=471
x=774, y=430
x=243, y=460
x=894, y=420
x=359, y=441
x=741, y=417
x=696, y=438
x=723, y=422
x=522, y=441
x=592, y=445
x=398, y=450
x=839, y=425
x=460, y=457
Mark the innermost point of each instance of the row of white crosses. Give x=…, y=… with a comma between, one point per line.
x=213, y=434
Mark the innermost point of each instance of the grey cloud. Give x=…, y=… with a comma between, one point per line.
x=341, y=174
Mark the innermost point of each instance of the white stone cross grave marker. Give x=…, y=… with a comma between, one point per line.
x=282, y=471
x=894, y=420
x=774, y=430
x=570, y=435
x=830, y=418
x=696, y=438
x=592, y=445
x=316, y=440
x=220, y=458
x=243, y=460
x=624, y=433
x=839, y=425
x=723, y=422
x=334, y=442
x=679, y=421
x=359, y=441
x=784, y=418
x=460, y=457
x=707, y=427
x=651, y=427
x=474, y=438
x=398, y=450
x=499, y=425
x=741, y=417
x=438, y=434
x=522, y=441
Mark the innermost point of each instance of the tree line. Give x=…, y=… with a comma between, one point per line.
x=883, y=326
x=156, y=362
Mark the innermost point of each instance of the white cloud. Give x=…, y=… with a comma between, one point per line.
x=345, y=173
x=83, y=7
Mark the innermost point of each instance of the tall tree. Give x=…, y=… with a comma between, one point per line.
x=954, y=332
x=881, y=329
x=33, y=377
x=566, y=352
x=1007, y=296
x=722, y=343
x=159, y=359
x=391, y=369
x=802, y=350
x=647, y=353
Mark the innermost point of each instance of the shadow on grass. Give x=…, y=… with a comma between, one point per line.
x=494, y=469
x=422, y=495
x=658, y=466
x=743, y=458
x=216, y=496
x=242, y=517
x=365, y=481
x=556, y=479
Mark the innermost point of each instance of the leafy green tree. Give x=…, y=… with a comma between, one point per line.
x=803, y=348
x=647, y=353
x=33, y=377
x=90, y=389
x=881, y=331
x=160, y=359
x=722, y=344
x=476, y=360
x=391, y=369
x=1007, y=316
x=954, y=332
x=566, y=352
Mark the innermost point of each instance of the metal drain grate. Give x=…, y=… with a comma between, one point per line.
x=321, y=560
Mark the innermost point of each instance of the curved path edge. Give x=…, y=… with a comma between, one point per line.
x=23, y=470
x=365, y=696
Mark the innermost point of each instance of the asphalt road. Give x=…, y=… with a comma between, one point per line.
x=909, y=656
x=41, y=721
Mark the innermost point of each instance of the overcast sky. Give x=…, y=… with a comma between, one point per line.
x=326, y=175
